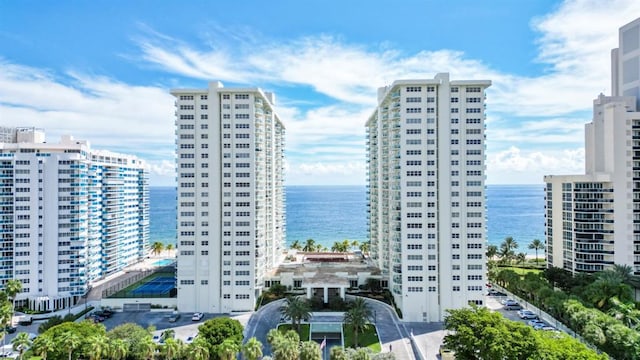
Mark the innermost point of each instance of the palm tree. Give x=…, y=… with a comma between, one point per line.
x=43, y=345
x=355, y=244
x=13, y=287
x=607, y=285
x=536, y=245
x=310, y=350
x=296, y=245
x=168, y=334
x=20, y=343
x=358, y=316
x=252, y=349
x=309, y=245
x=626, y=313
x=99, y=346
x=284, y=346
x=507, y=247
x=521, y=258
x=148, y=348
x=492, y=251
x=228, y=349
x=118, y=349
x=365, y=247
x=168, y=248
x=199, y=349
x=171, y=348
x=70, y=341
x=157, y=247
x=296, y=309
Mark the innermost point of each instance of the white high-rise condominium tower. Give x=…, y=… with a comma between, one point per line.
x=593, y=220
x=231, y=215
x=426, y=164
x=70, y=215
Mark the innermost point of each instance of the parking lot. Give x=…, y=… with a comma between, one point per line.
x=494, y=303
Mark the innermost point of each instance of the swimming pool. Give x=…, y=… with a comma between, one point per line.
x=164, y=262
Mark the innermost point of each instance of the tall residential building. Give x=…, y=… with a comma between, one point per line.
x=427, y=217
x=231, y=215
x=593, y=220
x=70, y=215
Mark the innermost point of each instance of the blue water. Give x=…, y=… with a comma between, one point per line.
x=334, y=213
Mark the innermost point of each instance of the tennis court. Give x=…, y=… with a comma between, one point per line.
x=160, y=285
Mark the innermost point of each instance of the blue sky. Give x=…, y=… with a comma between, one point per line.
x=102, y=71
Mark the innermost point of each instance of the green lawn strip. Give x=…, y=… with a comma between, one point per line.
x=521, y=271
x=126, y=292
x=304, y=330
x=368, y=338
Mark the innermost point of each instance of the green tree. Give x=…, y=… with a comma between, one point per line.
x=217, y=330
x=99, y=346
x=296, y=245
x=171, y=348
x=492, y=251
x=228, y=350
x=554, y=346
x=135, y=337
x=21, y=343
x=507, y=248
x=309, y=245
x=118, y=349
x=357, y=317
x=70, y=341
x=146, y=347
x=157, y=247
x=169, y=248
x=284, y=346
x=521, y=258
x=608, y=284
x=296, y=310
x=252, y=349
x=625, y=312
x=536, y=245
x=199, y=349
x=338, y=353
x=477, y=333
x=373, y=285
x=43, y=345
x=365, y=247
x=310, y=350
x=278, y=290
x=13, y=287
x=341, y=246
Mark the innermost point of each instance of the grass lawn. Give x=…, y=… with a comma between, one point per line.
x=369, y=338
x=304, y=330
x=520, y=271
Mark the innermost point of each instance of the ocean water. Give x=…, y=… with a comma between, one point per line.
x=335, y=213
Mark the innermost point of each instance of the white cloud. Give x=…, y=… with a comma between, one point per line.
x=325, y=139
x=110, y=114
x=517, y=166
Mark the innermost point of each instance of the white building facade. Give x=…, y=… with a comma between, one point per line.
x=426, y=180
x=231, y=215
x=593, y=220
x=70, y=215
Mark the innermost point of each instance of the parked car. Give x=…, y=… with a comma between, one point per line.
x=197, y=316
x=190, y=339
x=512, y=306
x=174, y=317
x=527, y=314
x=535, y=322
x=156, y=339
x=505, y=301
x=10, y=329
x=446, y=354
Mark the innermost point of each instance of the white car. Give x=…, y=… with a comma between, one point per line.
x=197, y=316
x=527, y=314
